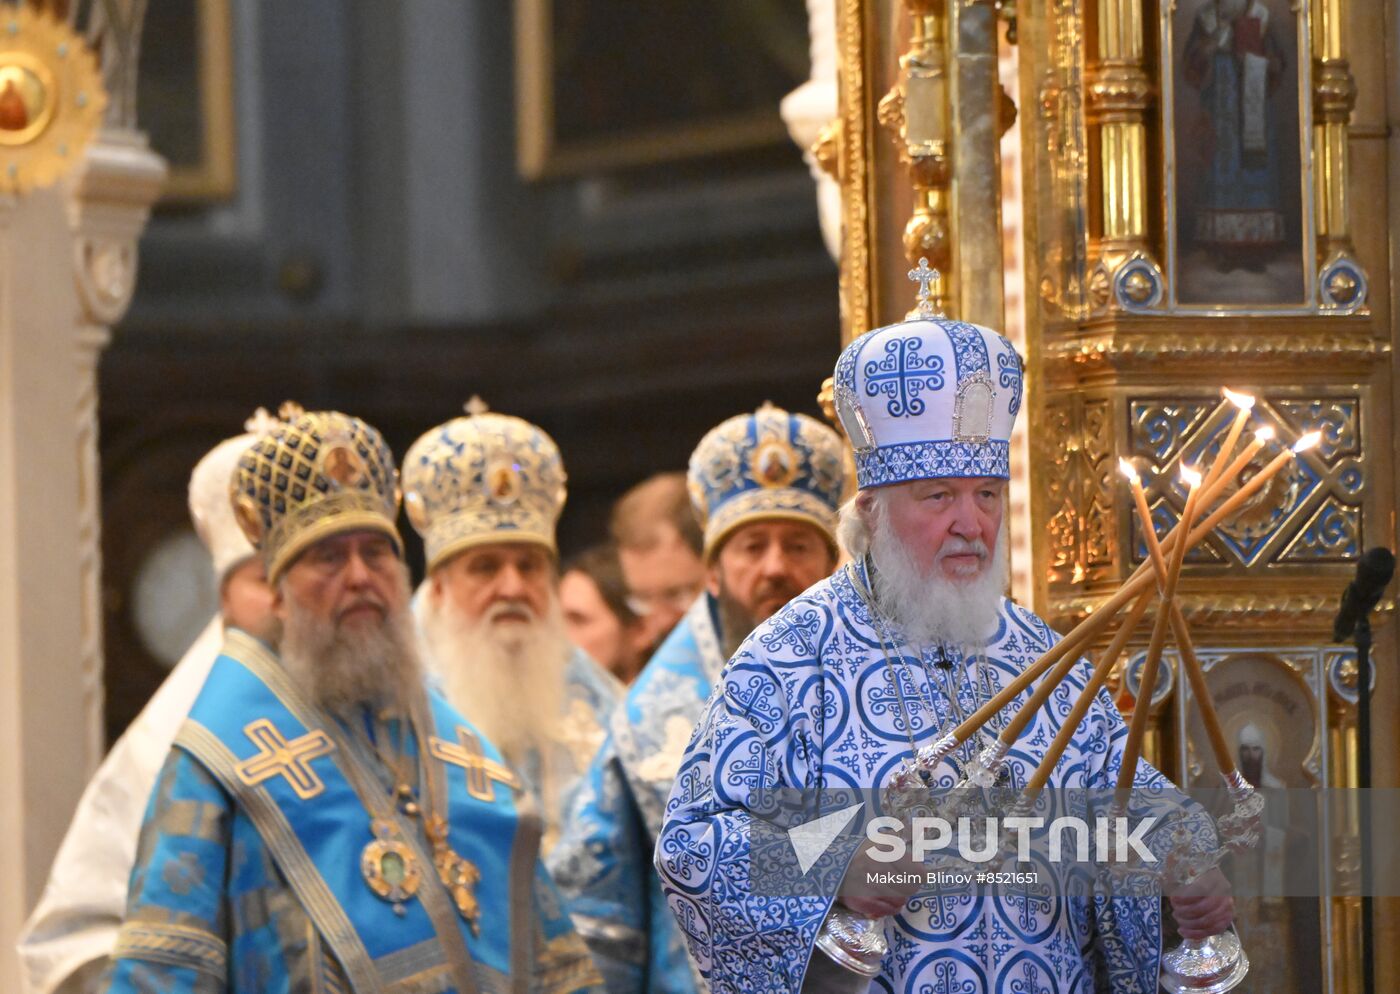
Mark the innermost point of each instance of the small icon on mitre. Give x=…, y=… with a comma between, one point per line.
x=343, y=466
x=972, y=410
x=774, y=464
x=503, y=483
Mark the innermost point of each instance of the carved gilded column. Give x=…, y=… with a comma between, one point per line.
x=916, y=113
x=1118, y=96
x=1342, y=281
x=917, y=82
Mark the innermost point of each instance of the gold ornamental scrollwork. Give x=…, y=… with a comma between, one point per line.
x=917, y=115
x=51, y=98
x=854, y=174
x=826, y=150
x=1338, y=352
x=1237, y=612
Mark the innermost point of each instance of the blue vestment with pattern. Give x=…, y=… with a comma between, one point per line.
x=809, y=702
x=253, y=869
x=603, y=862
x=555, y=770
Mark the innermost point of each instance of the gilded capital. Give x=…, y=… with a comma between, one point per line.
x=1334, y=91
x=1118, y=92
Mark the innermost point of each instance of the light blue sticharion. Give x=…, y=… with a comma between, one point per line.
x=603, y=862
x=251, y=874
x=808, y=703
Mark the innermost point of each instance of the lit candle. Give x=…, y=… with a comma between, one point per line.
x=1244, y=404
x=1236, y=499
x=1083, y=633
x=1138, y=728
x=1180, y=630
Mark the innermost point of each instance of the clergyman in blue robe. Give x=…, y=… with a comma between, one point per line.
x=485, y=491
x=839, y=688
x=324, y=822
x=766, y=487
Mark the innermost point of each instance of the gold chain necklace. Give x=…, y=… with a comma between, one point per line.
x=387, y=862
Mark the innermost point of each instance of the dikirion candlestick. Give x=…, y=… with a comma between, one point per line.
x=1180, y=631
x=1132, y=749
x=1079, y=638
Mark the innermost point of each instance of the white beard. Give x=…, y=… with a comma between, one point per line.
x=506, y=679
x=930, y=607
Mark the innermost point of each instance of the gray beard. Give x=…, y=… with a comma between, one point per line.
x=735, y=623
x=344, y=670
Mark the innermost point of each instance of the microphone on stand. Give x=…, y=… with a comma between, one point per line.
x=1373, y=573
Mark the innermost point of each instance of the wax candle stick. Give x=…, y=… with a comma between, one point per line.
x=1103, y=666
x=1180, y=631
x=1138, y=728
x=1244, y=404
x=1084, y=633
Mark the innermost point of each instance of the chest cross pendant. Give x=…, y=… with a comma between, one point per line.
x=283, y=758
x=481, y=770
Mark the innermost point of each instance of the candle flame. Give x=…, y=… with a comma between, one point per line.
x=1128, y=470
x=1307, y=442
x=1265, y=434
x=1189, y=476
x=1243, y=401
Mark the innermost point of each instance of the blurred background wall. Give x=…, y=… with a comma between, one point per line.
x=350, y=224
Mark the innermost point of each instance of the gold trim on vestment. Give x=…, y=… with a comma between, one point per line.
x=435, y=900
x=524, y=855
x=321, y=905
x=565, y=965
x=173, y=945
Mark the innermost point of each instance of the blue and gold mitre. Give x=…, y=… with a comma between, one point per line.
x=927, y=398
x=313, y=475
x=483, y=478
x=765, y=465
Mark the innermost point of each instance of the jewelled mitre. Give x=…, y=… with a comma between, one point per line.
x=314, y=475
x=483, y=478
x=929, y=397
x=210, y=508
x=765, y=465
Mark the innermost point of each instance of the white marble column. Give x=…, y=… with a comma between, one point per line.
x=68, y=262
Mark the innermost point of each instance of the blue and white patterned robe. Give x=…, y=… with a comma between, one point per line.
x=603, y=861
x=590, y=695
x=807, y=703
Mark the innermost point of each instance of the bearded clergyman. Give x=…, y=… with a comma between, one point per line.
x=485, y=491
x=843, y=684
x=325, y=822
x=765, y=486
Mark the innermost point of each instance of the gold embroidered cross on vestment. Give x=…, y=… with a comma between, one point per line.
x=280, y=757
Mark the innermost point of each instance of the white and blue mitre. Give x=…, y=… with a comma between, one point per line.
x=766, y=465
x=929, y=398
x=481, y=479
